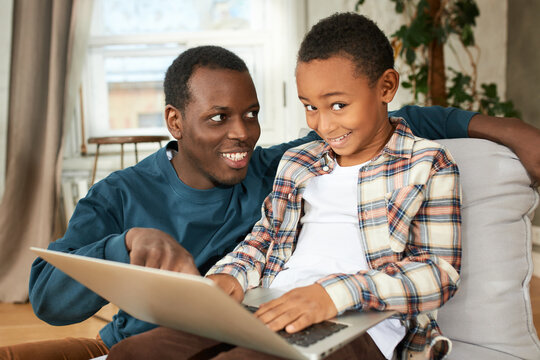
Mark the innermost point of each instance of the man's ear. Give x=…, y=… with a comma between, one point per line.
x=389, y=83
x=173, y=118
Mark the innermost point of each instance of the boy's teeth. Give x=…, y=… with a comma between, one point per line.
x=340, y=138
x=235, y=156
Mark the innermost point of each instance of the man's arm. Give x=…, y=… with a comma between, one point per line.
x=522, y=138
x=435, y=122
x=97, y=230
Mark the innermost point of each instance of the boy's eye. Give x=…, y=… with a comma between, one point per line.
x=218, y=117
x=252, y=114
x=338, y=106
x=310, y=108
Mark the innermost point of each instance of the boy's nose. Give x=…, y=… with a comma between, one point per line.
x=325, y=125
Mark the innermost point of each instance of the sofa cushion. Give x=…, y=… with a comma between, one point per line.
x=492, y=308
x=465, y=351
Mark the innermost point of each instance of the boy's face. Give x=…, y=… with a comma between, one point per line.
x=343, y=109
x=219, y=129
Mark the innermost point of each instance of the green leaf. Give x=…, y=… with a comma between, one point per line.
x=399, y=5
x=358, y=4
x=490, y=90
x=467, y=36
x=459, y=93
x=508, y=110
x=410, y=56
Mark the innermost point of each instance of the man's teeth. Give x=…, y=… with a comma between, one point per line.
x=235, y=156
x=340, y=138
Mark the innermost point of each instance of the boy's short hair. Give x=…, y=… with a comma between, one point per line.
x=176, y=83
x=353, y=36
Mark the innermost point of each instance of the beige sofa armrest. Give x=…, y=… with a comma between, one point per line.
x=492, y=311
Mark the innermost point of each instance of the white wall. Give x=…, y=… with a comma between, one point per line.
x=6, y=11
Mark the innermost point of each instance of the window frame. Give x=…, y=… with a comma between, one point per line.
x=282, y=115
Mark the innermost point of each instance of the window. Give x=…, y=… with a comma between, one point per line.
x=133, y=42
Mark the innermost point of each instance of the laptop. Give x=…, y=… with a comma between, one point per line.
x=196, y=305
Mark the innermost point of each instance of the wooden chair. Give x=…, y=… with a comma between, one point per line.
x=109, y=140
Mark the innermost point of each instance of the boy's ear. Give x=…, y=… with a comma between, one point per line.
x=173, y=118
x=389, y=83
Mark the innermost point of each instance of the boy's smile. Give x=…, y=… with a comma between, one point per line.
x=218, y=129
x=348, y=112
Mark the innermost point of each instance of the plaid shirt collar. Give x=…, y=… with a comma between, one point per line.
x=400, y=145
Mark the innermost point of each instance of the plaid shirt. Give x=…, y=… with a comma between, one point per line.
x=409, y=218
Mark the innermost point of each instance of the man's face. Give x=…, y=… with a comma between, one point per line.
x=218, y=130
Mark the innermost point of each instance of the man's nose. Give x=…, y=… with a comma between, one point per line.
x=238, y=129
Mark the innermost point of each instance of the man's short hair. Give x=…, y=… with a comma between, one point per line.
x=353, y=36
x=176, y=83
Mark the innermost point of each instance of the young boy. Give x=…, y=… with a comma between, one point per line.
x=366, y=219
x=373, y=206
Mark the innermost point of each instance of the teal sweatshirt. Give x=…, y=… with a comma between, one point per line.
x=208, y=223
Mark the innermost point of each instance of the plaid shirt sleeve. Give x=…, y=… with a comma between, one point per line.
x=426, y=274
x=248, y=259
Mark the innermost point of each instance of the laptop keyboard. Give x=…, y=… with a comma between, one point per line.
x=309, y=335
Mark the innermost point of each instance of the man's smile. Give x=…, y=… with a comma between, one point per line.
x=236, y=159
x=235, y=156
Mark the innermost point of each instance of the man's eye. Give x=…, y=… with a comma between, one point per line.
x=252, y=114
x=338, y=106
x=310, y=108
x=218, y=117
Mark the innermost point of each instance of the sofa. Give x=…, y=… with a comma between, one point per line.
x=490, y=316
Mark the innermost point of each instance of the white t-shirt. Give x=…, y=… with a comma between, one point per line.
x=329, y=242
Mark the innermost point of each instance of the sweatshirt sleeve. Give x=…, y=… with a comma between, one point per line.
x=95, y=230
x=436, y=122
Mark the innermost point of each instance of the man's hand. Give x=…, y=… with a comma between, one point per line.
x=514, y=133
x=157, y=249
x=298, y=309
x=229, y=284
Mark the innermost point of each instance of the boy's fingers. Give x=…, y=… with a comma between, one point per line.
x=267, y=314
x=238, y=295
x=299, y=324
x=284, y=319
x=268, y=306
x=229, y=284
x=274, y=311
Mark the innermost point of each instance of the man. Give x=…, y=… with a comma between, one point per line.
x=185, y=206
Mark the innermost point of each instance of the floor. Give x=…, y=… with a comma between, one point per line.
x=19, y=324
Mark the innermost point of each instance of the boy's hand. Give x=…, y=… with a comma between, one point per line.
x=229, y=284
x=157, y=249
x=298, y=309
